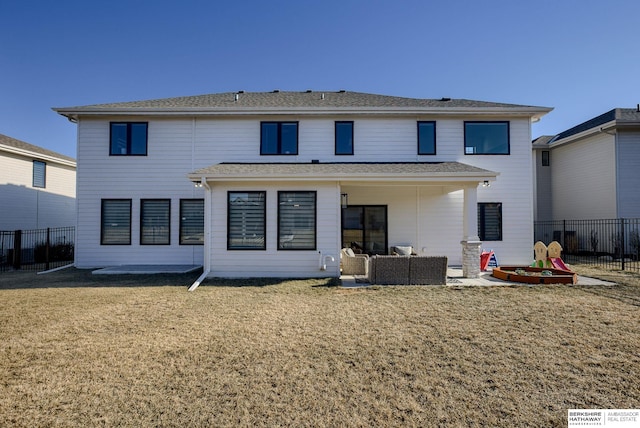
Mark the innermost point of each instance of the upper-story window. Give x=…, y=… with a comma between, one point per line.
x=344, y=138
x=128, y=139
x=279, y=138
x=486, y=138
x=426, y=138
x=39, y=174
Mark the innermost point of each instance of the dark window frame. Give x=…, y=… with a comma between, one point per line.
x=421, y=122
x=34, y=183
x=315, y=221
x=129, y=139
x=181, y=238
x=102, y=230
x=546, y=158
x=142, y=203
x=472, y=122
x=264, y=221
x=482, y=214
x=335, y=129
x=279, y=138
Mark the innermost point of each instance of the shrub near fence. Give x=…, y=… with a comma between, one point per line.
x=39, y=249
x=610, y=243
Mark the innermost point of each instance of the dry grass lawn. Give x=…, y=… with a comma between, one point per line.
x=82, y=350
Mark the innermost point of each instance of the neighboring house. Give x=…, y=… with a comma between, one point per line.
x=590, y=171
x=283, y=180
x=37, y=187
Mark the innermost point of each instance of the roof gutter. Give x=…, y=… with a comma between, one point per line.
x=73, y=113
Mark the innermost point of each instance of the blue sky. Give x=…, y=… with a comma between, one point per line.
x=579, y=56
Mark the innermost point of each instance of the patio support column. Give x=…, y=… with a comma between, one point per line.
x=470, y=242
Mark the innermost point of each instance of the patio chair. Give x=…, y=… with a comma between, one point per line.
x=354, y=264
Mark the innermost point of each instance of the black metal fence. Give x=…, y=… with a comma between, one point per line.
x=39, y=249
x=610, y=243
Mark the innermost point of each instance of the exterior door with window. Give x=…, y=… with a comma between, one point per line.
x=364, y=227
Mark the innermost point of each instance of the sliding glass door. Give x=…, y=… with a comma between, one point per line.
x=364, y=227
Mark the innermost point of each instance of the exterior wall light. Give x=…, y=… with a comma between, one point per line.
x=344, y=200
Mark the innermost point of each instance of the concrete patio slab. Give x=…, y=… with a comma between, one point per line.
x=146, y=269
x=454, y=277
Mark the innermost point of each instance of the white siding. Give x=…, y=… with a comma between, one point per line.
x=543, y=189
x=272, y=262
x=23, y=206
x=160, y=174
x=583, y=179
x=628, y=174
x=179, y=146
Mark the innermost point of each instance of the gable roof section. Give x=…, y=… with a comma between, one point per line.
x=301, y=102
x=344, y=171
x=13, y=145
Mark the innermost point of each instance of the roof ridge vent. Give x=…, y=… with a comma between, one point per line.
x=309, y=91
x=445, y=99
x=275, y=91
x=341, y=91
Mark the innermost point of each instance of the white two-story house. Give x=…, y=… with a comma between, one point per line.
x=274, y=184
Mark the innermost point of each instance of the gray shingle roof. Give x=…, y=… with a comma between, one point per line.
x=543, y=139
x=342, y=170
x=35, y=150
x=308, y=99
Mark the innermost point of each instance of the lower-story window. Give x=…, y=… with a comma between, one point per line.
x=191, y=221
x=490, y=221
x=155, y=221
x=246, y=220
x=115, y=223
x=296, y=220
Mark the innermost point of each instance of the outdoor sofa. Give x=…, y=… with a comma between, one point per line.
x=408, y=270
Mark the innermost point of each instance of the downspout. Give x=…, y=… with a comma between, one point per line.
x=207, y=235
x=616, y=161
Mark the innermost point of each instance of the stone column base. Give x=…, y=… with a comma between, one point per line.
x=471, y=258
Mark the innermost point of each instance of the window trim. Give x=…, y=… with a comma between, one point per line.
x=508, y=123
x=315, y=220
x=44, y=174
x=279, y=142
x=146, y=139
x=335, y=138
x=102, y=201
x=435, y=144
x=481, y=215
x=264, y=221
x=180, y=237
x=142, y=201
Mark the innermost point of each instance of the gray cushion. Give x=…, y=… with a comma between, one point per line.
x=404, y=250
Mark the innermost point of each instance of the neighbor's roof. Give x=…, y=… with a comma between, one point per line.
x=621, y=116
x=345, y=171
x=307, y=101
x=13, y=145
x=543, y=140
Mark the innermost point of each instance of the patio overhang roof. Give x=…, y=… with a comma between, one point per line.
x=389, y=172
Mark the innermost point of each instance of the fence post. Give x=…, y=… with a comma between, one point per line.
x=17, y=249
x=46, y=250
x=564, y=234
x=622, y=240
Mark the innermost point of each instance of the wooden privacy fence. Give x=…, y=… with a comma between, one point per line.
x=610, y=243
x=38, y=249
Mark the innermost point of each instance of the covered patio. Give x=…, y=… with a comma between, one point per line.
x=431, y=206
